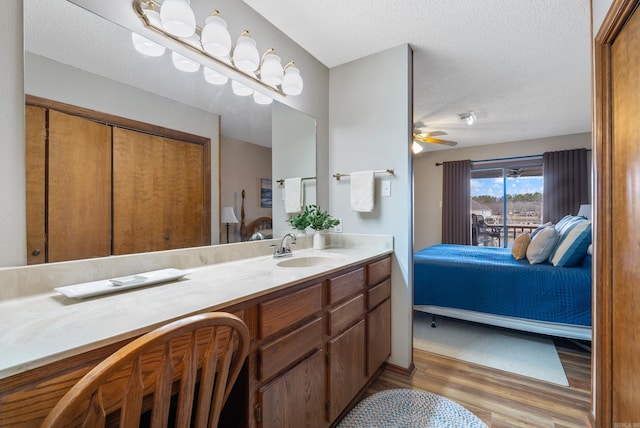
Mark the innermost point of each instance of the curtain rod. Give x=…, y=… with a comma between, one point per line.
x=504, y=159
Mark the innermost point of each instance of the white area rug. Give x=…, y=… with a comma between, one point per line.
x=521, y=353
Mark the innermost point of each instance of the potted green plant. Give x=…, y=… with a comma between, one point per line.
x=320, y=221
x=300, y=221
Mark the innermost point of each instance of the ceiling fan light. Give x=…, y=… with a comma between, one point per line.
x=416, y=147
x=183, y=63
x=215, y=37
x=214, y=77
x=292, y=81
x=240, y=89
x=261, y=98
x=271, y=71
x=177, y=18
x=245, y=54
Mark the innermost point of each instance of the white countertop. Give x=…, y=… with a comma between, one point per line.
x=42, y=328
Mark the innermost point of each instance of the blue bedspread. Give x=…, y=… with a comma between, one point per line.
x=490, y=280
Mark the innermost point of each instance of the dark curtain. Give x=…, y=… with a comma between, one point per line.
x=566, y=183
x=456, y=202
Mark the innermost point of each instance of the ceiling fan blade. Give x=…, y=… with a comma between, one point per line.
x=438, y=141
x=428, y=134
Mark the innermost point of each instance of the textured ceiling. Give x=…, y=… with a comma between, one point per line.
x=522, y=65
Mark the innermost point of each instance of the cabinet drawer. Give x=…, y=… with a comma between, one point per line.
x=344, y=315
x=276, y=314
x=377, y=294
x=345, y=285
x=280, y=353
x=378, y=271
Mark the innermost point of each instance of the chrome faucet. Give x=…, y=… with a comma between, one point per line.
x=284, y=249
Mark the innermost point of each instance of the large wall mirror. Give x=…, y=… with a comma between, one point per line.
x=78, y=58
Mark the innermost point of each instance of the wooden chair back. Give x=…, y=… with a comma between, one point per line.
x=189, y=365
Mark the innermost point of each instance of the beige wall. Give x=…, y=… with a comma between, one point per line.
x=243, y=165
x=428, y=177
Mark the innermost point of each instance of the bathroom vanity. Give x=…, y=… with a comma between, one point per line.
x=320, y=325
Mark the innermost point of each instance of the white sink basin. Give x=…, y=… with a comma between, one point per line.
x=306, y=261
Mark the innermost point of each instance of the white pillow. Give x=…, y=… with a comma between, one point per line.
x=542, y=245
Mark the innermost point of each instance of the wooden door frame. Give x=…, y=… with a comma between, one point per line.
x=601, y=363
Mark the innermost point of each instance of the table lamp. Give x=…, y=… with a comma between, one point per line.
x=227, y=216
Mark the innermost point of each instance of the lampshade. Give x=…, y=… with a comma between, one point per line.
x=183, y=63
x=215, y=37
x=214, y=77
x=227, y=215
x=144, y=45
x=177, y=18
x=240, y=89
x=292, y=81
x=585, y=211
x=261, y=98
x=245, y=55
x=271, y=71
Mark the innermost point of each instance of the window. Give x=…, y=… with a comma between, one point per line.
x=506, y=200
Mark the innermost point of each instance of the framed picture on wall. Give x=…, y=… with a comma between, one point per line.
x=265, y=193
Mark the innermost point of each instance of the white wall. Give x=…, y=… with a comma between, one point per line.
x=428, y=176
x=13, y=246
x=599, y=9
x=370, y=114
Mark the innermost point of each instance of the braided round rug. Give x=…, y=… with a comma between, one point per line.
x=409, y=408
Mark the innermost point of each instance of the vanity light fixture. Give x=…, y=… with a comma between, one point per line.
x=469, y=117
x=213, y=50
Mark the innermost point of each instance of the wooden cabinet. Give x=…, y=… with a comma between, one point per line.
x=314, y=347
x=347, y=368
x=296, y=398
x=98, y=189
x=379, y=315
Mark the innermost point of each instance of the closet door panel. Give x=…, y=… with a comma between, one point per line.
x=183, y=194
x=137, y=192
x=35, y=155
x=79, y=194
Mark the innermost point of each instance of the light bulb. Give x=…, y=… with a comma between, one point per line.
x=292, y=81
x=214, y=77
x=271, y=71
x=144, y=45
x=261, y=98
x=245, y=55
x=215, y=37
x=177, y=18
x=183, y=63
x=240, y=89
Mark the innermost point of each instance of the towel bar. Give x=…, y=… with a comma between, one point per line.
x=281, y=181
x=338, y=176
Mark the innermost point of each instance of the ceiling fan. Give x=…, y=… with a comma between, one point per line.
x=428, y=137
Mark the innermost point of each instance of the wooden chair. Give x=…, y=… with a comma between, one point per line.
x=189, y=365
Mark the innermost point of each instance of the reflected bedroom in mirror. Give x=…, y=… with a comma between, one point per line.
x=127, y=154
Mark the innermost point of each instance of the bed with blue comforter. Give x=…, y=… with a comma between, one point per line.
x=486, y=284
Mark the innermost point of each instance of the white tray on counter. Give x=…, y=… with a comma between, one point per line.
x=115, y=285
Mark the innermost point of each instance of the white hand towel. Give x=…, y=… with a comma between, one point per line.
x=362, y=186
x=293, y=195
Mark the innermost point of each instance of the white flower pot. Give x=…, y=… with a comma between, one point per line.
x=318, y=241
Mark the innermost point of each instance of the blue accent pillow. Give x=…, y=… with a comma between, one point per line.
x=567, y=222
x=571, y=249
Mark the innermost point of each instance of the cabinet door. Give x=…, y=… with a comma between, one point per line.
x=347, y=361
x=184, y=195
x=35, y=155
x=295, y=399
x=378, y=336
x=138, y=222
x=79, y=193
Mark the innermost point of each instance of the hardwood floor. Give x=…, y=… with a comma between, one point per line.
x=503, y=399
